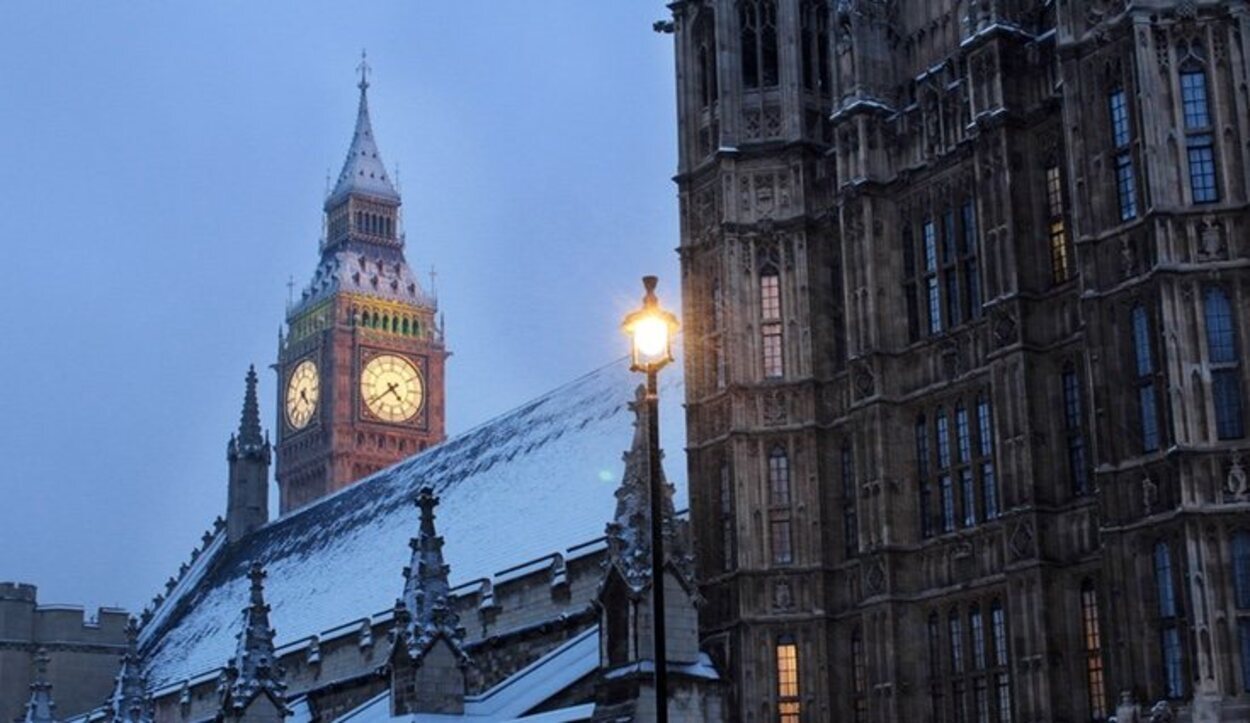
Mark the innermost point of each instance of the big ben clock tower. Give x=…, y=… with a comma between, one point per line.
x=361, y=360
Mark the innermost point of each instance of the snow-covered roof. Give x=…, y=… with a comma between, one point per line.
x=382, y=273
x=363, y=171
x=535, y=481
x=518, y=694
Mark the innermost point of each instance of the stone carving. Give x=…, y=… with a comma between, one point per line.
x=1236, y=484
x=783, y=595
x=1161, y=712
x=865, y=381
x=1149, y=495
x=775, y=408
x=1004, y=327
x=1211, y=239
x=1021, y=541
x=874, y=577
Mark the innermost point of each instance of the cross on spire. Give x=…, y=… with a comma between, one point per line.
x=364, y=69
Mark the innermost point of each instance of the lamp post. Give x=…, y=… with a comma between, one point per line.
x=651, y=330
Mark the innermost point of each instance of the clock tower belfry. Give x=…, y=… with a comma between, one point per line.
x=361, y=358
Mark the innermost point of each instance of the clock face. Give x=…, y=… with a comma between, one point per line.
x=391, y=388
x=303, y=388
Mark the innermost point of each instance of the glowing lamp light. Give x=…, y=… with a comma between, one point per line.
x=651, y=330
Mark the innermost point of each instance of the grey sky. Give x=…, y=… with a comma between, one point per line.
x=163, y=171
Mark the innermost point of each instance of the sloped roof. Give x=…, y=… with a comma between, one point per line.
x=537, y=480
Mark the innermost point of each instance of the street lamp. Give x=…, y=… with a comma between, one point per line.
x=651, y=330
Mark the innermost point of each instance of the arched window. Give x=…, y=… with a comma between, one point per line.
x=405, y=327
x=1169, y=627
x=859, y=674
x=1060, y=262
x=705, y=48
x=1199, y=139
x=757, y=24
x=1241, y=588
x=1091, y=635
x=1122, y=137
x=787, y=680
x=770, y=322
x=1225, y=363
x=1143, y=356
x=980, y=688
x=815, y=47
x=1002, y=679
x=779, y=477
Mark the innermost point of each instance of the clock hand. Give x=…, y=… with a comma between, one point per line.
x=390, y=388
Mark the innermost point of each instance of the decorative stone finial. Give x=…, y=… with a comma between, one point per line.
x=129, y=702
x=425, y=611
x=41, y=708
x=253, y=671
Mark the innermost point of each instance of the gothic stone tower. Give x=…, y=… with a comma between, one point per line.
x=361, y=362
x=965, y=286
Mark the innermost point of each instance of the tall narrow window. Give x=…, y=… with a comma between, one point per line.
x=716, y=346
x=728, y=541
x=1144, y=361
x=945, y=486
x=1121, y=135
x=1199, y=139
x=779, y=477
x=1169, y=627
x=787, y=680
x=954, y=629
x=909, y=284
x=1002, y=679
x=1225, y=364
x=926, y=485
x=815, y=47
x=985, y=440
x=1060, y=262
x=850, y=516
x=963, y=456
x=972, y=278
x=933, y=294
x=770, y=321
x=705, y=43
x=1241, y=589
x=980, y=687
x=757, y=21
x=935, y=667
x=1091, y=634
x=954, y=314
x=859, y=675
x=1074, y=426
x=783, y=553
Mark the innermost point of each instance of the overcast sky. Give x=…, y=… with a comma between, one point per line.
x=163, y=172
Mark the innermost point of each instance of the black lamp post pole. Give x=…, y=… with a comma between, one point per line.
x=657, y=546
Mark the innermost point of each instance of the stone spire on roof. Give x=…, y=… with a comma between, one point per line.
x=250, y=436
x=129, y=702
x=363, y=171
x=629, y=533
x=253, y=670
x=40, y=708
x=425, y=611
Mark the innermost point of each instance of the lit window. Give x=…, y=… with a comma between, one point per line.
x=770, y=318
x=788, y=681
x=1060, y=264
x=1091, y=632
x=1224, y=363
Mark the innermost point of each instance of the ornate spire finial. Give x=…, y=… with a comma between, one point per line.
x=253, y=670
x=364, y=69
x=428, y=613
x=249, y=423
x=629, y=537
x=40, y=708
x=130, y=702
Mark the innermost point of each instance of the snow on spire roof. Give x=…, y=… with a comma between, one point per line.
x=129, y=702
x=425, y=609
x=363, y=172
x=253, y=670
x=40, y=708
x=629, y=533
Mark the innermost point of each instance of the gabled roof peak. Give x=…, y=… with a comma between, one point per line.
x=363, y=172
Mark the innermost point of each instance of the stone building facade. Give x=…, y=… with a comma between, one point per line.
x=965, y=292
x=81, y=654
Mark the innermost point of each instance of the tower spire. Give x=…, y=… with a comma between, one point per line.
x=426, y=604
x=249, y=424
x=40, y=708
x=129, y=702
x=363, y=172
x=252, y=671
